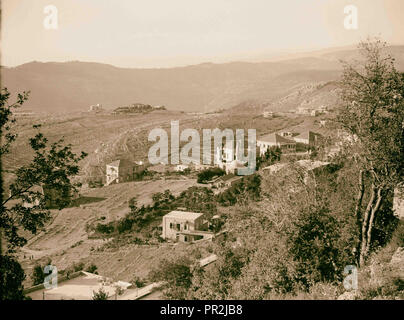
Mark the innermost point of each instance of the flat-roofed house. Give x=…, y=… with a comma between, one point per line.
x=181, y=167
x=81, y=285
x=303, y=110
x=309, y=138
x=288, y=134
x=184, y=226
x=268, y=114
x=52, y=197
x=276, y=140
x=228, y=159
x=96, y=107
x=323, y=109
x=200, y=167
x=33, y=197
x=226, y=181
x=122, y=170
x=233, y=167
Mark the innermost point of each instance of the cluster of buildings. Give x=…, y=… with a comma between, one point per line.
x=314, y=112
x=268, y=114
x=287, y=141
x=136, y=107
x=95, y=108
x=24, y=114
x=229, y=166
x=123, y=170
x=194, y=226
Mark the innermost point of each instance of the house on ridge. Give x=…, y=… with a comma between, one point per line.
x=276, y=140
x=185, y=226
x=122, y=170
x=309, y=138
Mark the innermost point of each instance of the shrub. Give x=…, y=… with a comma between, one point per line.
x=137, y=282
x=12, y=276
x=208, y=174
x=315, y=244
x=100, y=295
x=125, y=224
x=78, y=266
x=176, y=274
x=248, y=188
x=38, y=276
x=104, y=228
x=92, y=268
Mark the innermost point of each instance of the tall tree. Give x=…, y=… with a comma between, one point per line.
x=43, y=182
x=373, y=115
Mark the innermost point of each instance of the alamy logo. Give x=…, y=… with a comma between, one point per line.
x=351, y=280
x=351, y=20
x=191, y=152
x=51, y=20
x=51, y=280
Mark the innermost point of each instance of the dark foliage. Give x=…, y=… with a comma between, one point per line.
x=246, y=189
x=208, y=174
x=176, y=276
x=38, y=275
x=11, y=278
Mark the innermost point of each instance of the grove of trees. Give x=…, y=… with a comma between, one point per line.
x=46, y=179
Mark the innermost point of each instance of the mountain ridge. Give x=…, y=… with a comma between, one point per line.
x=75, y=85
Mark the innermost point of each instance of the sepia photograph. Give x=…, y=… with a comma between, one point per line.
x=210, y=156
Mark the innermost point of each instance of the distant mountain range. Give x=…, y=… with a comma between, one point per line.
x=74, y=86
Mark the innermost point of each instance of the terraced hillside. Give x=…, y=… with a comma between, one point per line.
x=66, y=240
x=96, y=134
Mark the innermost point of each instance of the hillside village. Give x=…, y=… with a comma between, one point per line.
x=124, y=173
x=129, y=223
x=174, y=226
x=236, y=152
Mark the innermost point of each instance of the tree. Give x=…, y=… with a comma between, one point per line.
x=100, y=295
x=162, y=200
x=297, y=236
x=92, y=268
x=373, y=114
x=38, y=275
x=198, y=199
x=12, y=276
x=242, y=191
x=316, y=234
x=42, y=182
x=208, y=174
x=133, y=204
x=176, y=276
x=271, y=155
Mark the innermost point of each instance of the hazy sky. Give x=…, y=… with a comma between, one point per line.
x=164, y=33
